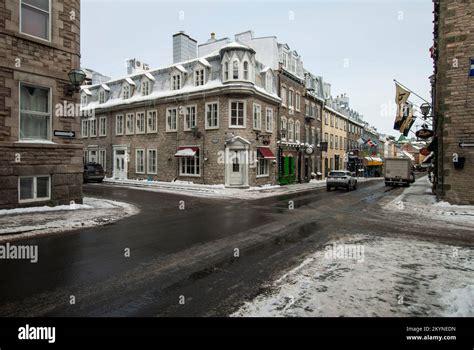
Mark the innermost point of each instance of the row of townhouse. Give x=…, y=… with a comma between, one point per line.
x=240, y=112
x=39, y=45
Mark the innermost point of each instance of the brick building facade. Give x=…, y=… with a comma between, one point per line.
x=39, y=45
x=453, y=94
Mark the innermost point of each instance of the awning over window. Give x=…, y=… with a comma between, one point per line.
x=373, y=161
x=266, y=153
x=186, y=151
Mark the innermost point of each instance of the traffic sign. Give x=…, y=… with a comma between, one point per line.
x=66, y=134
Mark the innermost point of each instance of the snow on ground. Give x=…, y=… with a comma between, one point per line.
x=30, y=222
x=220, y=191
x=397, y=277
x=418, y=198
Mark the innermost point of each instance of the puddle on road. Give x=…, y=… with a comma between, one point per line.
x=397, y=277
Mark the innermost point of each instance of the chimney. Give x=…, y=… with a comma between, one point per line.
x=213, y=36
x=184, y=47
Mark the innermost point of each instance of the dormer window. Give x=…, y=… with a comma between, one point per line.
x=269, y=82
x=125, y=91
x=246, y=70
x=145, y=87
x=199, y=76
x=101, y=96
x=176, y=81
x=284, y=59
x=226, y=71
x=235, y=70
x=84, y=99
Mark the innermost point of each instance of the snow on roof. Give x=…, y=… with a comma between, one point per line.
x=264, y=70
x=105, y=87
x=130, y=81
x=87, y=91
x=236, y=45
x=204, y=62
x=149, y=76
x=180, y=68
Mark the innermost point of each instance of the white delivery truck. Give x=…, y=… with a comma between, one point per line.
x=398, y=172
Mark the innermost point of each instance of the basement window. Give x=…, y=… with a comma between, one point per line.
x=34, y=188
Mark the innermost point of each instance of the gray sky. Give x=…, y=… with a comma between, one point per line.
x=358, y=46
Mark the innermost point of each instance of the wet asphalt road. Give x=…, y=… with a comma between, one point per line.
x=204, y=260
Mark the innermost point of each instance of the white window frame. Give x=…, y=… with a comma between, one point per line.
x=291, y=97
x=235, y=63
x=38, y=9
x=196, y=159
x=35, y=189
x=145, y=87
x=176, y=81
x=199, y=76
x=269, y=119
x=103, y=122
x=131, y=130
x=149, y=158
x=283, y=95
x=246, y=71
x=102, y=158
x=266, y=165
x=244, y=102
x=85, y=127
x=298, y=101
x=284, y=126
x=140, y=119
x=257, y=117
x=93, y=127
x=207, y=126
x=168, y=115
x=297, y=131
x=226, y=75
x=117, y=117
x=188, y=127
x=49, y=114
x=126, y=91
x=84, y=99
x=101, y=96
x=269, y=81
x=291, y=130
x=142, y=163
x=152, y=115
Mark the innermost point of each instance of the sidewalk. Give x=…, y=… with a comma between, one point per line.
x=37, y=221
x=220, y=191
x=418, y=198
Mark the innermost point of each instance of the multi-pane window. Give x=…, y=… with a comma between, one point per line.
x=125, y=91
x=284, y=59
x=212, y=115
x=306, y=134
x=341, y=144
x=283, y=127
x=102, y=126
x=291, y=130
x=257, y=117
x=140, y=161
x=314, y=141
x=246, y=70
x=283, y=95
x=35, y=18
x=290, y=98
x=85, y=128
x=199, y=77
x=269, y=119
x=190, y=118
x=269, y=82
x=226, y=71
x=151, y=161
x=140, y=123
x=325, y=137
x=237, y=113
x=306, y=108
x=331, y=141
x=34, y=188
x=235, y=70
x=190, y=165
x=119, y=124
x=326, y=121
x=297, y=131
x=130, y=124
x=145, y=87
x=152, y=122
x=84, y=100
x=93, y=127
x=101, y=96
x=298, y=101
x=262, y=166
x=102, y=158
x=35, y=113
x=176, y=82
x=171, y=119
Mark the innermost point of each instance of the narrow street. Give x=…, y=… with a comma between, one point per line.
x=205, y=260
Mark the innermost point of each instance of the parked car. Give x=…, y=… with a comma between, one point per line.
x=93, y=172
x=341, y=178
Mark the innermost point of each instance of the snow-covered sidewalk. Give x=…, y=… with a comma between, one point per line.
x=418, y=199
x=391, y=278
x=28, y=222
x=220, y=191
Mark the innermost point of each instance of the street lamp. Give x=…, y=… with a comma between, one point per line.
x=425, y=109
x=76, y=77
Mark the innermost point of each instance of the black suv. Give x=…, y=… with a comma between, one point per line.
x=93, y=172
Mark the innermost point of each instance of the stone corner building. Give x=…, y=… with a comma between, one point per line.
x=453, y=95
x=39, y=45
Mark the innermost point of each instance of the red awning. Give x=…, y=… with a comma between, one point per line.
x=185, y=151
x=266, y=153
